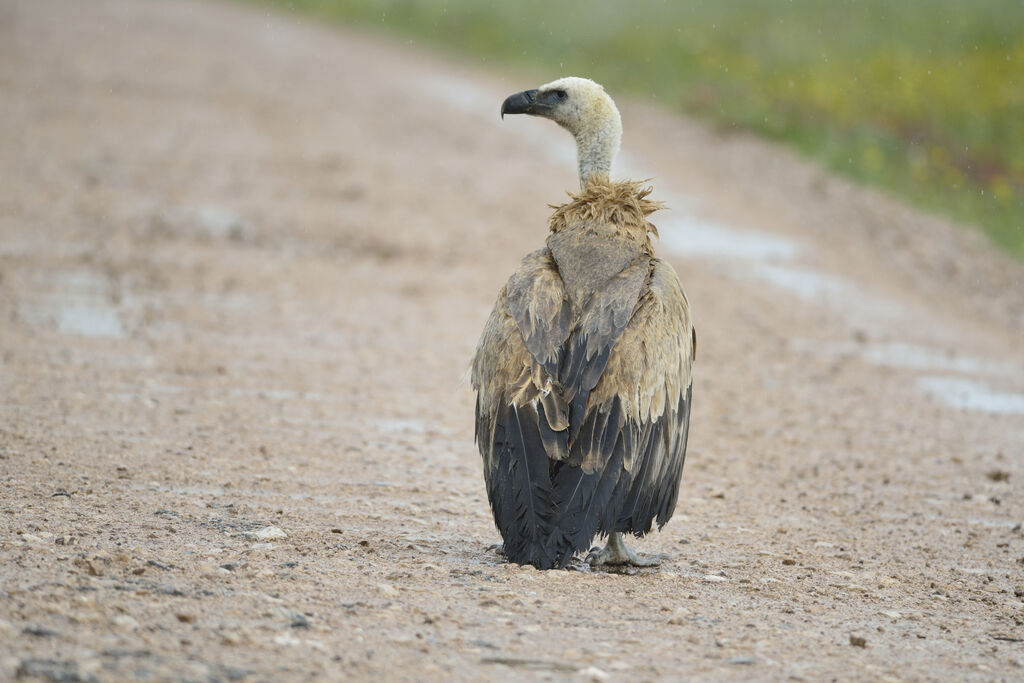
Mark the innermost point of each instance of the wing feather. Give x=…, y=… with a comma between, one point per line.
x=537, y=301
x=648, y=378
x=604, y=319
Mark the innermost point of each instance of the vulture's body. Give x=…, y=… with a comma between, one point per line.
x=583, y=369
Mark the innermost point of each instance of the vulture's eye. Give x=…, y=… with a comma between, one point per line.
x=560, y=94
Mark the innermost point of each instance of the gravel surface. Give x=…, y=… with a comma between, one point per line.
x=244, y=261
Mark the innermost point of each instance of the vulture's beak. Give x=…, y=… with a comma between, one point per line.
x=521, y=103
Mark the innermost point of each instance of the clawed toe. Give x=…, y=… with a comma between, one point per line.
x=616, y=554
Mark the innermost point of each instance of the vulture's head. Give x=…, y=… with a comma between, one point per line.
x=582, y=107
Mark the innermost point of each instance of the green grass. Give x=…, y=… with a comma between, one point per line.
x=922, y=97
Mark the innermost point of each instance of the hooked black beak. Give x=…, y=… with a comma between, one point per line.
x=520, y=103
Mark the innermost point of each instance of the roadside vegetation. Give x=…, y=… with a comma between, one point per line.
x=924, y=98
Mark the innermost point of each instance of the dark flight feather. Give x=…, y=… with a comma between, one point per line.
x=520, y=488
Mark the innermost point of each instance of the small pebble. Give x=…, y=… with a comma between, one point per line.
x=742, y=661
x=269, y=533
x=678, y=617
x=592, y=673
x=126, y=622
x=858, y=641
x=39, y=631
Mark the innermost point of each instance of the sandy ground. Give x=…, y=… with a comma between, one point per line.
x=244, y=261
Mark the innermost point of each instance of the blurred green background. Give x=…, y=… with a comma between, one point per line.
x=924, y=98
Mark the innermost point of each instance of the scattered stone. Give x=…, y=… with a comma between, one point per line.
x=742, y=661
x=678, y=617
x=158, y=565
x=54, y=670
x=268, y=533
x=295, y=618
x=336, y=531
x=858, y=641
x=185, y=618
x=789, y=562
x=387, y=590
x=66, y=539
x=533, y=664
x=592, y=673
x=126, y=622
x=286, y=639
x=89, y=565
x=230, y=638
x=40, y=631
x=998, y=475
x=208, y=569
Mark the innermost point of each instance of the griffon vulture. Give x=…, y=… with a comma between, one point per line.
x=582, y=372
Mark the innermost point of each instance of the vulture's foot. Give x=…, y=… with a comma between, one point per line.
x=615, y=553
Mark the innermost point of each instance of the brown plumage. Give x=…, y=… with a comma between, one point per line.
x=583, y=375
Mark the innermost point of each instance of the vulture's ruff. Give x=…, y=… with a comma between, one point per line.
x=583, y=369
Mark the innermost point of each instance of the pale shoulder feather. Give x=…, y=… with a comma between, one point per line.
x=650, y=367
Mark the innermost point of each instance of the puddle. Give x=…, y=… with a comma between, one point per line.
x=690, y=236
x=804, y=282
x=972, y=395
x=910, y=357
x=90, y=320
x=75, y=302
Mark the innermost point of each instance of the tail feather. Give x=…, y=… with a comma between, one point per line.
x=520, y=488
x=584, y=501
x=582, y=498
x=655, y=486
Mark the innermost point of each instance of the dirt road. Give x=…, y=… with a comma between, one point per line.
x=244, y=261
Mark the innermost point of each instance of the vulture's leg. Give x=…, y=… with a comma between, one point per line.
x=615, y=552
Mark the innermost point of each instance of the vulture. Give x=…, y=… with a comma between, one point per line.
x=582, y=372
